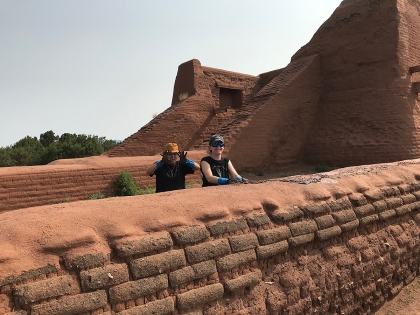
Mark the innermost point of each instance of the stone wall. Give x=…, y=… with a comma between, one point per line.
x=342, y=255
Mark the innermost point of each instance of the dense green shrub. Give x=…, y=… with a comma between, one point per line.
x=126, y=185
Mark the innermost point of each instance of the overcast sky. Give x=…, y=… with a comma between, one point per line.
x=104, y=68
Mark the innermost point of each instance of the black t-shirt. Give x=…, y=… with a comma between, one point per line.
x=171, y=177
x=218, y=169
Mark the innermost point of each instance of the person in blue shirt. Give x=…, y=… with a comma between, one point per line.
x=171, y=170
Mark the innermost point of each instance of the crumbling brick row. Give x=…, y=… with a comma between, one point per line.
x=41, y=290
x=153, y=265
x=207, y=251
x=243, y=242
x=358, y=199
x=391, y=191
x=135, y=289
x=258, y=220
x=144, y=245
x=194, y=298
x=191, y=235
x=340, y=204
x=190, y=273
x=248, y=280
x=387, y=215
x=229, y=262
x=349, y=226
x=102, y=277
x=274, y=235
x=344, y=216
x=75, y=304
x=289, y=215
x=316, y=209
x=161, y=307
x=403, y=210
x=409, y=198
x=270, y=250
x=30, y=274
x=228, y=227
x=368, y=220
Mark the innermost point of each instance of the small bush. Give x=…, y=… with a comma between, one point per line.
x=147, y=190
x=320, y=168
x=98, y=195
x=260, y=173
x=126, y=185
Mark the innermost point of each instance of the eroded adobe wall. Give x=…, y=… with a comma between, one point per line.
x=30, y=186
x=344, y=243
x=367, y=111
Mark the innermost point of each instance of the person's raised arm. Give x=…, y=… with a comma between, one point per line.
x=152, y=168
x=190, y=163
x=205, y=168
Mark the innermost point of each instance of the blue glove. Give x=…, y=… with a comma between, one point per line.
x=189, y=163
x=222, y=181
x=239, y=178
x=159, y=163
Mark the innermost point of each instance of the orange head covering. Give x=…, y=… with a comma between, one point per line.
x=172, y=147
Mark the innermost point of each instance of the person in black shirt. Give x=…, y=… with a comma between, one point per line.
x=215, y=169
x=171, y=170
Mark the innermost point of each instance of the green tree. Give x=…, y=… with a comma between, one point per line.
x=48, y=138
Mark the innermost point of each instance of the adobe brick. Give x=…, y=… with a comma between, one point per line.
x=207, y=251
x=258, y=220
x=301, y=239
x=365, y=210
x=383, y=216
x=102, y=277
x=380, y=206
x=403, y=210
x=316, y=209
x=192, y=298
x=85, y=262
x=303, y=227
x=72, y=305
x=41, y=290
x=341, y=204
x=415, y=206
x=161, y=307
x=404, y=189
x=240, y=243
x=229, y=262
x=267, y=251
x=135, y=289
x=273, y=235
x=325, y=221
x=374, y=194
x=349, y=226
x=358, y=199
x=290, y=214
x=30, y=274
x=409, y=198
x=191, y=235
x=417, y=195
x=228, y=227
x=248, y=280
x=393, y=203
x=144, y=245
x=344, y=216
x=325, y=234
x=153, y=265
x=191, y=273
x=369, y=219
x=391, y=191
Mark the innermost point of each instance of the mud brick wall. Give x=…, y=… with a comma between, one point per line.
x=23, y=187
x=343, y=256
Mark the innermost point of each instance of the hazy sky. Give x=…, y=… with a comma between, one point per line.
x=105, y=67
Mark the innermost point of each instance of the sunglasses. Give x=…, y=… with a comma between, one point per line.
x=220, y=144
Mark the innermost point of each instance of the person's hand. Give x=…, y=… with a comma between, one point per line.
x=165, y=157
x=182, y=156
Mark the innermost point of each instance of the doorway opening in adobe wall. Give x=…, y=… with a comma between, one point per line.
x=230, y=98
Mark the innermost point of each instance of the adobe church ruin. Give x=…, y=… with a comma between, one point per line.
x=348, y=97
x=342, y=242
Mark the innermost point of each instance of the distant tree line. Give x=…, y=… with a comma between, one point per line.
x=50, y=147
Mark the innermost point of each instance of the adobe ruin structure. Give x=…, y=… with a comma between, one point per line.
x=342, y=242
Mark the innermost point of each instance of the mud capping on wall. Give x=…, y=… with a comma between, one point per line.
x=189, y=270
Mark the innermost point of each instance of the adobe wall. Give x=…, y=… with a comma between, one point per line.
x=367, y=111
x=341, y=242
x=74, y=179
